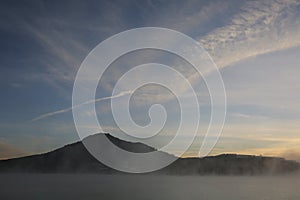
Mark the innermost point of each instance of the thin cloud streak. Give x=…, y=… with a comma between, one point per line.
x=46, y=115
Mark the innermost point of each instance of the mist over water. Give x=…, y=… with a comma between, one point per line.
x=130, y=187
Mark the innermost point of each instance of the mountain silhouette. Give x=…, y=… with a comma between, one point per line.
x=74, y=158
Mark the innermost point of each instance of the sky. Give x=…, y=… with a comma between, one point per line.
x=255, y=45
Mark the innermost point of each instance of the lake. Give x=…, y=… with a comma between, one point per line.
x=131, y=187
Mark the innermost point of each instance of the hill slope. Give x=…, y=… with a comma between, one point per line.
x=74, y=158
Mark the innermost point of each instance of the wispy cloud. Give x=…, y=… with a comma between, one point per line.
x=258, y=27
x=46, y=115
x=250, y=28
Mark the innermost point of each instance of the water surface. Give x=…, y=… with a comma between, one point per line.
x=131, y=187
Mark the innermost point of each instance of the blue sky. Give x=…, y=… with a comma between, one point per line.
x=255, y=44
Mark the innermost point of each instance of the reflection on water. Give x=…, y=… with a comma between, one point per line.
x=61, y=186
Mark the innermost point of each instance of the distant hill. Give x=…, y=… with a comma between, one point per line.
x=74, y=158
